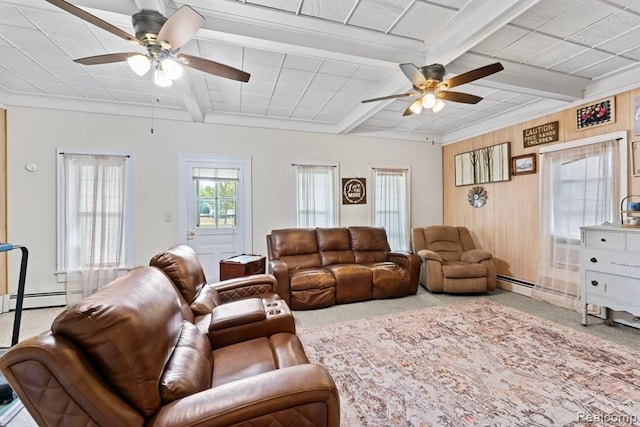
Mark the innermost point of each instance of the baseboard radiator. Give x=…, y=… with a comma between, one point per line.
x=35, y=300
x=517, y=286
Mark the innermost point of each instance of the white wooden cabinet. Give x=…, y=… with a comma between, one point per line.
x=610, y=270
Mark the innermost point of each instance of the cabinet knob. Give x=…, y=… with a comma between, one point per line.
x=594, y=282
x=603, y=240
x=594, y=260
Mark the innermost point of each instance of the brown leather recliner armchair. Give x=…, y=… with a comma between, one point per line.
x=126, y=356
x=450, y=261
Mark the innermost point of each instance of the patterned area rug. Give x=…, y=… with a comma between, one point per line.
x=476, y=363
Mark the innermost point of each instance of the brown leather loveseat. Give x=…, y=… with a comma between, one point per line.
x=127, y=356
x=320, y=267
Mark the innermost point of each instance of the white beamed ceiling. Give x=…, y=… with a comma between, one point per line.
x=313, y=61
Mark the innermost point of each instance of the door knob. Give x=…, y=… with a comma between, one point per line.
x=594, y=260
x=594, y=282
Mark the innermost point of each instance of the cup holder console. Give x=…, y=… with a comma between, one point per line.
x=274, y=312
x=272, y=304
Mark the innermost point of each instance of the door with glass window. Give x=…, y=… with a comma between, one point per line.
x=214, y=215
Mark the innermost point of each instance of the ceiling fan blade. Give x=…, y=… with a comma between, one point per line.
x=92, y=19
x=181, y=27
x=411, y=109
x=465, y=98
x=212, y=67
x=413, y=73
x=105, y=59
x=382, y=98
x=472, y=75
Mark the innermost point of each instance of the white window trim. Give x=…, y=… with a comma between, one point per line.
x=129, y=211
x=293, y=214
x=624, y=162
x=372, y=189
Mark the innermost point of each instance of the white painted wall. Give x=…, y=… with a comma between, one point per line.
x=33, y=135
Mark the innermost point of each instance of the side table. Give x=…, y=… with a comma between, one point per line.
x=241, y=265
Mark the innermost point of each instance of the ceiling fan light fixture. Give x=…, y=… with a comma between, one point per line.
x=161, y=79
x=171, y=68
x=416, y=106
x=439, y=105
x=428, y=100
x=139, y=64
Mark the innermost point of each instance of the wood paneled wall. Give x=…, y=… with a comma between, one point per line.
x=3, y=199
x=507, y=225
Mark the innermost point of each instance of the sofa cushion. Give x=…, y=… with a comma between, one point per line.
x=189, y=368
x=182, y=266
x=353, y=282
x=460, y=270
x=334, y=246
x=445, y=241
x=128, y=329
x=369, y=244
x=390, y=280
x=311, y=278
x=293, y=241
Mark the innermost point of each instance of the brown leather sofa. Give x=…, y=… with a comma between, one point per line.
x=320, y=267
x=128, y=356
x=451, y=262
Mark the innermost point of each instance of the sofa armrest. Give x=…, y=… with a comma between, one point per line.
x=426, y=254
x=475, y=256
x=54, y=380
x=411, y=262
x=280, y=270
x=306, y=389
x=243, y=287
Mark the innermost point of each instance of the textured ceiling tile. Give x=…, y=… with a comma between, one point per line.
x=301, y=62
x=373, y=74
x=292, y=77
x=288, y=5
x=377, y=14
x=333, y=10
x=279, y=112
x=356, y=87
x=257, y=88
x=422, y=20
x=289, y=91
x=78, y=79
x=282, y=102
x=18, y=85
x=76, y=47
x=219, y=52
x=261, y=57
x=327, y=82
x=555, y=54
x=609, y=66
x=338, y=68
x=627, y=41
x=580, y=61
x=255, y=110
x=27, y=38
x=13, y=16
x=263, y=74
x=380, y=123
x=56, y=22
x=54, y=62
x=633, y=54
x=118, y=84
x=581, y=16
x=499, y=40
x=255, y=100
x=528, y=46
x=95, y=93
x=541, y=13
x=314, y=99
x=607, y=29
x=303, y=114
x=328, y=117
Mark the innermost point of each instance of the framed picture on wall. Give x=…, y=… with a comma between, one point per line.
x=596, y=114
x=635, y=152
x=522, y=165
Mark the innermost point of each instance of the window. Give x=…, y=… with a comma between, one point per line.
x=216, y=196
x=391, y=204
x=95, y=210
x=581, y=183
x=315, y=195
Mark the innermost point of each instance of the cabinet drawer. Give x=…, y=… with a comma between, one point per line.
x=605, y=240
x=616, y=288
x=613, y=262
x=633, y=241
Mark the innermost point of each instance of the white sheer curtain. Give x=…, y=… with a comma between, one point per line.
x=579, y=186
x=391, y=205
x=315, y=196
x=94, y=221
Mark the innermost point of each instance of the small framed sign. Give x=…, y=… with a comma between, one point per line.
x=354, y=191
x=596, y=114
x=542, y=134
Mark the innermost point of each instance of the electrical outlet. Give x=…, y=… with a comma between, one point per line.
x=168, y=217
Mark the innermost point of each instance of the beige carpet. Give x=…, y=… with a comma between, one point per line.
x=475, y=363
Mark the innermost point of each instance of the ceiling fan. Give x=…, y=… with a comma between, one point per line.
x=428, y=85
x=162, y=38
